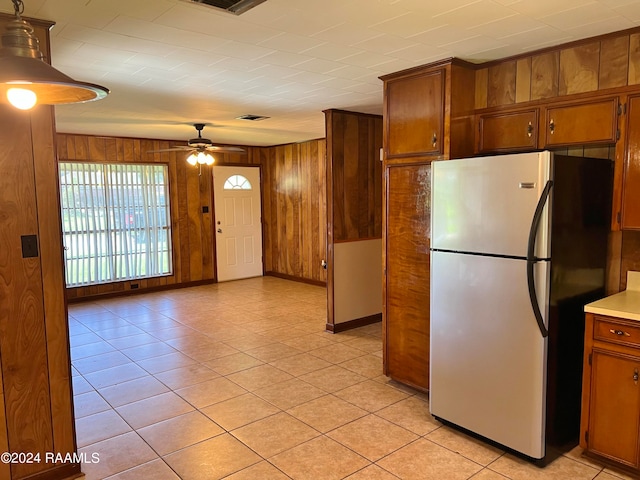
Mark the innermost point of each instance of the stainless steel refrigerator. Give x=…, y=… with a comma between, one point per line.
x=518, y=246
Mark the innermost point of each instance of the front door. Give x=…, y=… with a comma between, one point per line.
x=238, y=222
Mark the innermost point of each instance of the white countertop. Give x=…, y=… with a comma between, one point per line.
x=623, y=305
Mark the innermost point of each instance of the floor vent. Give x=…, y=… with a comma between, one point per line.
x=237, y=7
x=253, y=118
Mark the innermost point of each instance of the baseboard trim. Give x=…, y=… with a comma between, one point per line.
x=355, y=323
x=136, y=291
x=317, y=283
x=68, y=471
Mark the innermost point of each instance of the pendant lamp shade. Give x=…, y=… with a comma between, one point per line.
x=22, y=67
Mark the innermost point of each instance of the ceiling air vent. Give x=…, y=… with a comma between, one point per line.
x=237, y=7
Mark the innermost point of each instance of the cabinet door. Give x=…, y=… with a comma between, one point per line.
x=614, y=416
x=582, y=123
x=414, y=115
x=631, y=186
x=510, y=131
x=406, y=257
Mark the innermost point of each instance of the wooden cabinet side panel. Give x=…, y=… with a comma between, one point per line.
x=586, y=380
x=414, y=114
x=460, y=138
x=631, y=173
x=407, y=238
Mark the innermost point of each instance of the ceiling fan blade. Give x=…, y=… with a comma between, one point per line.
x=174, y=149
x=216, y=148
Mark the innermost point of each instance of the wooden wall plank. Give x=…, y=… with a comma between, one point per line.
x=634, y=59
x=614, y=62
x=97, y=149
x=55, y=313
x=482, y=83
x=579, y=67
x=523, y=80
x=352, y=187
x=501, y=84
x=544, y=75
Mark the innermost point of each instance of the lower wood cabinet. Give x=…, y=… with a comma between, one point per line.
x=610, y=423
x=406, y=238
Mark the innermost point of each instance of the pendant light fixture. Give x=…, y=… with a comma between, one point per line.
x=26, y=79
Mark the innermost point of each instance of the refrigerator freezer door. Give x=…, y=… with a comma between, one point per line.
x=486, y=204
x=488, y=359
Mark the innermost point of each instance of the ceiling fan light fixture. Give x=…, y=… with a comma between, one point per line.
x=22, y=67
x=205, y=158
x=192, y=159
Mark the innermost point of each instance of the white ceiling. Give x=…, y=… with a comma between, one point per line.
x=170, y=63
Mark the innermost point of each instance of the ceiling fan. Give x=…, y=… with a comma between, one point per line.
x=201, y=148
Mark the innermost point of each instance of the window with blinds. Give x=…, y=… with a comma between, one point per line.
x=116, y=222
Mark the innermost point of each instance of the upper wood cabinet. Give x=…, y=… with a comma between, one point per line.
x=428, y=112
x=508, y=131
x=582, y=123
x=414, y=114
x=631, y=183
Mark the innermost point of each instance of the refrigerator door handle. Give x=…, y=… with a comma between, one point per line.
x=532, y=259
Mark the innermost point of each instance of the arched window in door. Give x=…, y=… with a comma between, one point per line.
x=237, y=182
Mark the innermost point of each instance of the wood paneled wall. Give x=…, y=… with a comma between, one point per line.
x=191, y=229
x=293, y=198
x=354, y=141
x=596, y=64
x=295, y=210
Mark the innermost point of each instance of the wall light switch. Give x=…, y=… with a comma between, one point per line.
x=29, y=246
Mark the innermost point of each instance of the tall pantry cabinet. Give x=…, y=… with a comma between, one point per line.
x=428, y=115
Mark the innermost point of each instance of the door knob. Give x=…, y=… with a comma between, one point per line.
x=219, y=230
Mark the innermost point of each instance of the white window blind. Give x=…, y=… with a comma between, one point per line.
x=116, y=222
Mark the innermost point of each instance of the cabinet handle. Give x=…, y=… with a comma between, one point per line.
x=620, y=333
x=635, y=376
x=529, y=130
x=552, y=126
x=434, y=139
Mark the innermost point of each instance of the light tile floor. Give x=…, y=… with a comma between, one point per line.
x=239, y=380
